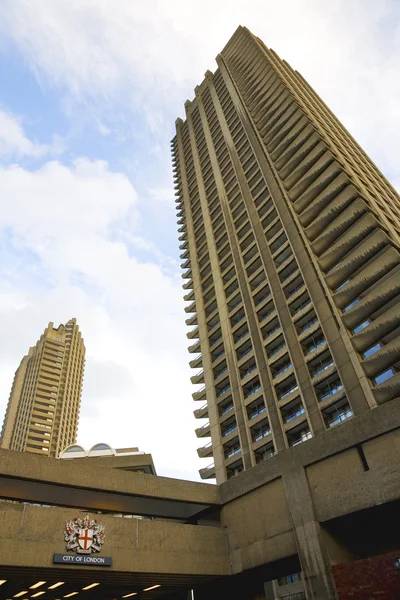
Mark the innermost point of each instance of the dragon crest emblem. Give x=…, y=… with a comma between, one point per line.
x=84, y=536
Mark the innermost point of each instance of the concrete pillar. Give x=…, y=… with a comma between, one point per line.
x=317, y=573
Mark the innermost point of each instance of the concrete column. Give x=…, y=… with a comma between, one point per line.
x=317, y=573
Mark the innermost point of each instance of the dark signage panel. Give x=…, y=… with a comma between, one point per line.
x=88, y=560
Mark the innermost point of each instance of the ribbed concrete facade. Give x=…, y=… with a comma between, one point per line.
x=290, y=244
x=43, y=409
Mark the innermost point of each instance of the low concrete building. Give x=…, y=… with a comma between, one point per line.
x=103, y=455
x=326, y=509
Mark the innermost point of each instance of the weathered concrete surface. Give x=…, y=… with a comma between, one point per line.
x=29, y=535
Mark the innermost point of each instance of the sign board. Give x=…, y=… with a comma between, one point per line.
x=83, y=559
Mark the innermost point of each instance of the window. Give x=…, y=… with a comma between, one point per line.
x=372, y=350
x=361, y=326
x=293, y=578
x=384, y=376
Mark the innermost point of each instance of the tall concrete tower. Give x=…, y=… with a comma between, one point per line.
x=290, y=245
x=43, y=409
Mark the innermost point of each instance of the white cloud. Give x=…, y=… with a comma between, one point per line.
x=63, y=222
x=73, y=234
x=14, y=142
x=148, y=56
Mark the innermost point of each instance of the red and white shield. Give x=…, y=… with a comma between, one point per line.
x=85, y=538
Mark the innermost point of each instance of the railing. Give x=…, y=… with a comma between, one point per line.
x=296, y=289
x=331, y=392
x=253, y=391
x=286, y=368
x=205, y=426
x=243, y=375
x=213, y=342
x=209, y=467
x=310, y=350
x=217, y=375
x=230, y=430
x=271, y=331
x=193, y=346
x=258, y=412
x=202, y=389
x=289, y=275
x=342, y=417
x=302, y=439
x=293, y=389
x=202, y=407
x=308, y=325
x=322, y=369
x=245, y=352
x=206, y=446
x=236, y=340
x=278, y=349
x=233, y=452
x=261, y=435
x=228, y=409
x=259, y=300
x=293, y=415
x=214, y=358
x=267, y=315
x=299, y=308
x=225, y=389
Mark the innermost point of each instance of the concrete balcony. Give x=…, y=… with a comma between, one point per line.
x=203, y=431
x=188, y=285
x=191, y=309
x=201, y=413
x=187, y=274
x=193, y=333
x=199, y=378
x=189, y=297
x=205, y=451
x=208, y=472
x=200, y=394
x=195, y=348
x=192, y=320
x=196, y=363
x=186, y=264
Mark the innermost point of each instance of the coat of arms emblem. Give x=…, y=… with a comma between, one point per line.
x=84, y=536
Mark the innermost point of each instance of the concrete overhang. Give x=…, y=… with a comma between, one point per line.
x=76, y=483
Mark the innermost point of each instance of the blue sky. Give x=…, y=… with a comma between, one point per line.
x=89, y=96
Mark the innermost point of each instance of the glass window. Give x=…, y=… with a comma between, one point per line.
x=384, y=376
x=372, y=350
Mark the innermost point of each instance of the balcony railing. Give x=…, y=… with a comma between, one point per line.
x=225, y=389
x=253, y=391
x=278, y=349
x=292, y=389
x=229, y=430
x=207, y=446
x=240, y=356
x=322, y=369
x=308, y=325
x=294, y=415
x=257, y=412
x=317, y=345
x=342, y=417
x=251, y=370
x=217, y=375
x=208, y=468
x=262, y=435
x=233, y=452
x=283, y=370
x=227, y=409
x=331, y=392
